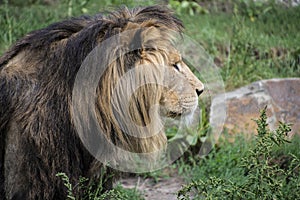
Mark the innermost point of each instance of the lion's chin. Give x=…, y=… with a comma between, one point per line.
x=188, y=118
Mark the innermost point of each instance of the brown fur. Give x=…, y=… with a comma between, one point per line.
x=37, y=134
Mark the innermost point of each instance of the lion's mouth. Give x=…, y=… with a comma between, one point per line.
x=186, y=117
x=176, y=115
x=173, y=114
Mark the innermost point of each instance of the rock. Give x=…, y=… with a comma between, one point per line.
x=281, y=96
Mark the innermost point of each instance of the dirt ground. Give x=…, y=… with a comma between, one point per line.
x=163, y=189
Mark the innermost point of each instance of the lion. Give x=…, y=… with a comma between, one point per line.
x=38, y=134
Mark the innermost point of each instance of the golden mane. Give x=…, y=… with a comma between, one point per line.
x=146, y=68
x=144, y=37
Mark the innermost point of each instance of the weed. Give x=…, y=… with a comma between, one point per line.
x=67, y=184
x=258, y=177
x=95, y=191
x=187, y=7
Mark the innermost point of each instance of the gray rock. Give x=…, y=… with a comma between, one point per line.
x=281, y=96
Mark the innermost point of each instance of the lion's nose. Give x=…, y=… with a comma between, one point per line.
x=199, y=88
x=199, y=91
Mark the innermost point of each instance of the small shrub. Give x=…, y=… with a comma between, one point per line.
x=96, y=192
x=67, y=184
x=261, y=177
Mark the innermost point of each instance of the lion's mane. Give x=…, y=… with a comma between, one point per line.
x=37, y=135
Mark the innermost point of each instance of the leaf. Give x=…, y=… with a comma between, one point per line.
x=185, y=4
x=192, y=139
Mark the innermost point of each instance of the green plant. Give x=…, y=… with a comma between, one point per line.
x=95, y=190
x=187, y=7
x=76, y=5
x=7, y=22
x=263, y=179
x=260, y=177
x=120, y=193
x=212, y=188
x=254, y=9
x=67, y=184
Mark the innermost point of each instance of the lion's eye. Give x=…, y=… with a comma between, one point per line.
x=177, y=66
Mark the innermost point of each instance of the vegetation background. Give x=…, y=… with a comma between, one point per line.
x=249, y=41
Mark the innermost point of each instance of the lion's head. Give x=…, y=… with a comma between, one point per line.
x=145, y=79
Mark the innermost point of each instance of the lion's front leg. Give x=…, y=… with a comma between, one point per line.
x=25, y=172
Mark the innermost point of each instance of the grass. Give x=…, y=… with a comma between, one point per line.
x=249, y=50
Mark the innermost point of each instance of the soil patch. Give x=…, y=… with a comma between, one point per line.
x=163, y=189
